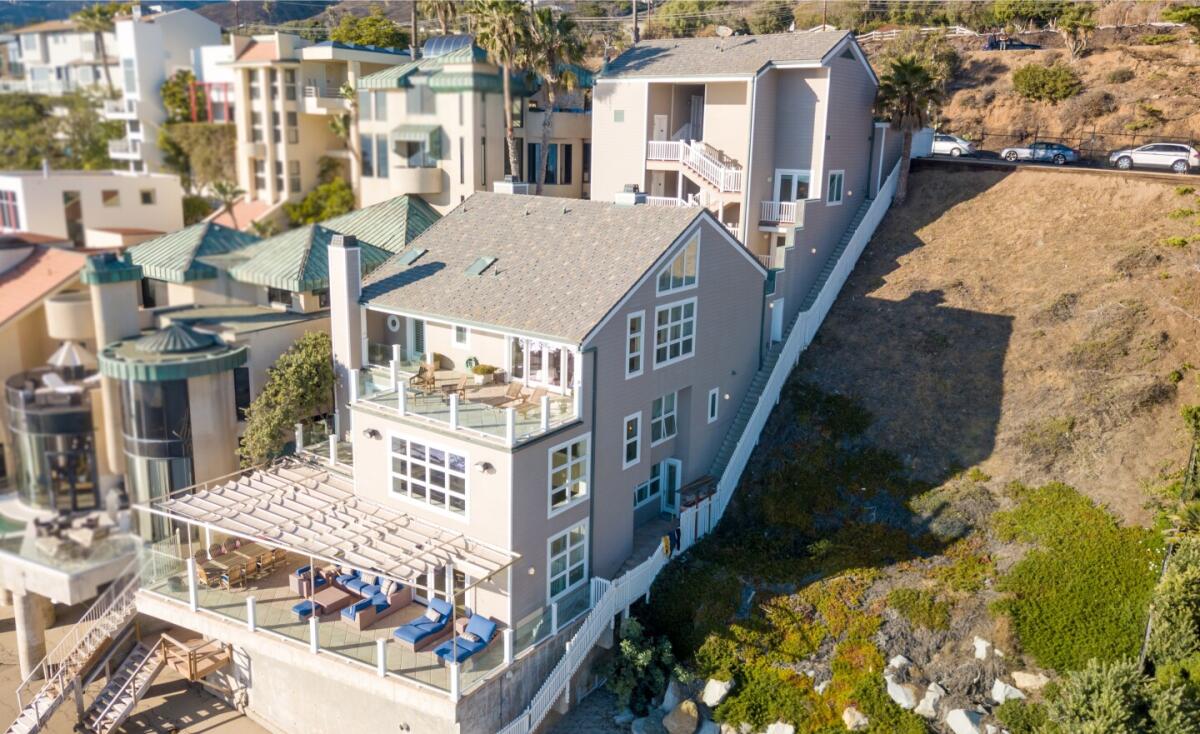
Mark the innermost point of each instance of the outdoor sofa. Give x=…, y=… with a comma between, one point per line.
x=379, y=597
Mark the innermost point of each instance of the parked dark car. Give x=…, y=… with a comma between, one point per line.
x=1055, y=153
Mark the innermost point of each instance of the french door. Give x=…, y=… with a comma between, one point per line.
x=791, y=185
x=542, y=365
x=671, y=471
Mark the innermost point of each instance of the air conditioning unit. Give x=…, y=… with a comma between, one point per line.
x=510, y=185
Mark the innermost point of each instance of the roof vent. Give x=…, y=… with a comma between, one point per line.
x=412, y=255
x=630, y=196
x=481, y=264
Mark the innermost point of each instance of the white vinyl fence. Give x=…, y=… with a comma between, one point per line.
x=611, y=597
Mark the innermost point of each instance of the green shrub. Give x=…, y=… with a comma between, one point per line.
x=1046, y=83
x=1175, y=241
x=640, y=669
x=1158, y=39
x=764, y=695
x=1175, y=632
x=970, y=566
x=195, y=209
x=921, y=608
x=1083, y=590
x=326, y=201
x=1184, y=190
x=978, y=475
x=1175, y=710
x=298, y=387
x=1104, y=697
x=1184, y=672
x=484, y=369
x=1181, y=213
x=1023, y=717
x=1120, y=75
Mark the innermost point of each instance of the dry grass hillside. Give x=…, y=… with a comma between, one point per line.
x=1034, y=323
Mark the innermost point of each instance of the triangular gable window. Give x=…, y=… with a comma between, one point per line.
x=681, y=273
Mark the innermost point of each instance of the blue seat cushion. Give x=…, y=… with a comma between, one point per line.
x=320, y=582
x=303, y=571
x=380, y=601
x=355, y=584
x=304, y=609
x=367, y=590
x=423, y=627
x=458, y=649
x=352, y=611
x=481, y=627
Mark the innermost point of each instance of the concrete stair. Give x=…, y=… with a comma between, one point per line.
x=124, y=689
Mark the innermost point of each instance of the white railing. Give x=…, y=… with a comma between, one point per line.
x=734, y=229
x=124, y=146
x=669, y=201
x=664, y=150
x=783, y=212
x=326, y=91
x=134, y=686
x=699, y=519
x=723, y=177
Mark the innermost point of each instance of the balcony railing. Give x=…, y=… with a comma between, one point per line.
x=325, y=91
x=120, y=107
x=718, y=171
x=124, y=148
x=664, y=150
x=669, y=201
x=780, y=212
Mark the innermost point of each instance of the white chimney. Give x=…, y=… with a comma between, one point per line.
x=345, y=320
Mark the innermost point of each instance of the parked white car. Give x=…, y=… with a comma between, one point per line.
x=1178, y=157
x=944, y=144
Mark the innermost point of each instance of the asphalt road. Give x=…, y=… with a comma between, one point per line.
x=989, y=159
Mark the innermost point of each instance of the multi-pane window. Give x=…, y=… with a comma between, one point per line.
x=293, y=127
x=674, y=332
x=256, y=131
x=381, y=156
x=10, y=218
x=568, y=561
x=635, y=327
x=632, y=440
x=681, y=273
x=462, y=336
x=294, y=176
x=381, y=106
x=289, y=81
x=279, y=297
x=255, y=92
x=260, y=174
x=429, y=475
x=650, y=488
x=837, y=180
x=130, y=73
x=587, y=162
x=276, y=128
x=663, y=423
x=366, y=144
x=274, y=82
x=279, y=176
x=558, y=163
x=419, y=99
x=568, y=472
x=364, y=106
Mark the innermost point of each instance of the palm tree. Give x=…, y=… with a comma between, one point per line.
x=446, y=12
x=554, y=45
x=501, y=30
x=98, y=19
x=228, y=192
x=908, y=94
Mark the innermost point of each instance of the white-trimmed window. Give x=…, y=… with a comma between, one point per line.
x=568, y=473
x=635, y=336
x=833, y=193
x=632, y=440
x=714, y=403
x=681, y=273
x=429, y=475
x=649, y=489
x=462, y=336
x=674, y=332
x=567, y=561
x=663, y=422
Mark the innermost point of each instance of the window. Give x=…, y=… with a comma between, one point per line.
x=663, y=424
x=293, y=129
x=650, y=488
x=289, y=81
x=294, y=177
x=366, y=144
x=381, y=106
x=322, y=295
x=567, y=561
x=255, y=92
x=429, y=475
x=462, y=336
x=587, y=162
x=833, y=194
x=618, y=115
x=462, y=160
x=568, y=473
x=381, y=156
x=274, y=83
x=276, y=130
x=241, y=391
x=635, y=327
x=278, y=176
x=279, y=297
x=147, y=196
x=110, y=197
x=134, y=127
x=130, y=74
x=674, y=332
x=556, y=173
x=681, y=273
x=714, y=403
x=256, y=132
x=260, y=174
x=791, y=184
x=10, y=218
x=414, y=154
x=419, y=99
x=632, y=440
x=364, y=106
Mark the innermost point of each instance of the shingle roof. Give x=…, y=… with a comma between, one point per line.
x=180, y=256
x=561, y=264
x=41, y=273
x=297, y=260
x=745, y=55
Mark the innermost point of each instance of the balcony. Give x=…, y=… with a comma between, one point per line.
x=773, y=213
x=325, y=99
x=669, y=201
x=705, y=163
x=125, y=149
x=423, y=180
x=120, y=109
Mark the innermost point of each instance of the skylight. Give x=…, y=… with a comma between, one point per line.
x=411, y=256
x=481, y=264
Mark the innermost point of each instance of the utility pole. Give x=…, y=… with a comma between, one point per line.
x=412, y=51
x=636, y=36
x=824, y=13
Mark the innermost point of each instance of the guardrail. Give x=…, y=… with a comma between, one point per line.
x=783, y=212
x=664, y=150
x=723, y=177
x=669, y=201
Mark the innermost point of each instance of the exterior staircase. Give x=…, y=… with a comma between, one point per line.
x=754, y=392
x=124, y=689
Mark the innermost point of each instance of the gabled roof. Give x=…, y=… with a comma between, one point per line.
x=49, y=26
x=180, y=257
x=559, y=265
x=735, y=56
x=360, y=47
x=43, y=271
x=297, y=260
x=257, y=50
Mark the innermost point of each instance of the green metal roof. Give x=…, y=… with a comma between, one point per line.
x=298, y=260
x=399, y=76
x=465, y=81
x=389, y=225
x=109, y=268
x=176, y=352
x=180, y=257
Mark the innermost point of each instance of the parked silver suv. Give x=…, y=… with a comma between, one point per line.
x=1178, y=157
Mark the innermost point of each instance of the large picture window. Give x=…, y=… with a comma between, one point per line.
x=635, y=328
x=429, y=475
x=568, y=473
x=568, y=561
x=663, y=420
x=681, y=273
x=674, y=332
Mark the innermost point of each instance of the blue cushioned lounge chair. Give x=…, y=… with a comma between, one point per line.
x=422, y=630
x=461, y=648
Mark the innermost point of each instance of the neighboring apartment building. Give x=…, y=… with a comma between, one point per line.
x=58, y=57
x=772, y=133
x=435, y=127
x=91, y=208
x=150, y=49
x=287, y=91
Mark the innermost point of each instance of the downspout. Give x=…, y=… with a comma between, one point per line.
x=744, y=225
x=762, y=322
x=591, y=536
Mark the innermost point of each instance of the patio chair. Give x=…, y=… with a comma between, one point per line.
x=264, y=563
x=301, y=581
x=533, y=400
x=215, y=550
x=425, y=378
x=475, y=638
x=278, y=556
x=458, y=388
x=234, y=576
x=208, y=577
x=512, y=395
x=201, y=557
x=426, y=629
x=229, y=546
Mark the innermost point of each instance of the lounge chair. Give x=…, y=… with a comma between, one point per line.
x=512, y=395
x=475, y=638
x=208, y=577
x=532, y=401
x=235, y=575
x=365, y=612
x=264, y=563
x=426, y=629
x=425, y=378
x=279, y=556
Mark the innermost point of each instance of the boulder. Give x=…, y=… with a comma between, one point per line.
x=683, y=719
x=647, y=725
x=715, y=692
x=780, y=727
x=982, y=648
x=904, y=694
x=673, y=695
x=729, y=729
x=709, y=727
x=855, y=720
x=1029, y=681
x=928, y=706
x=1002, y=692
x=991, y=729
x=820, y=687
x=961, y=721
x=899, y=662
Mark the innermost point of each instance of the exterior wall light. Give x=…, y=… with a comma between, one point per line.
x=371, y=433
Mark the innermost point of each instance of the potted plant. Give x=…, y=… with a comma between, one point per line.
x=483, y=373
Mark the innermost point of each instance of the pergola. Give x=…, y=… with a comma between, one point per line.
x=305, y=508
